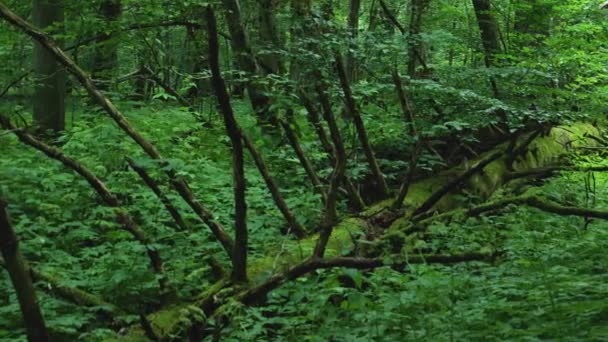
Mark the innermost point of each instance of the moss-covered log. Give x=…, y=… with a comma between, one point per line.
x=542, y=152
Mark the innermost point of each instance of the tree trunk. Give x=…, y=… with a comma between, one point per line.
x=415, y=54
x=239, y=253
x=354, y=7
x=244, y=56
x=300, y=13
x=488, y=28
x=105, y=62
x=533, y=19
x=353, y=110
x=49, y=92
x=269, y=36
x=21, y=279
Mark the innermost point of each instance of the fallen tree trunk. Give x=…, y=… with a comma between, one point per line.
x=292, y=260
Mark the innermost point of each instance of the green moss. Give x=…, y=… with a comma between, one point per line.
x=542, y=151
x=292, y=252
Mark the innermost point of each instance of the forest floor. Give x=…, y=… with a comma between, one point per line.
x=547, y=281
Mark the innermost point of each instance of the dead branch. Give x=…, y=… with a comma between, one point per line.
x=548, y=171
x=109, y=198
x=355, y=114
x=295, y=227
x=294, y=141
x=454, y=183
x=153, y=185
x=313, y=264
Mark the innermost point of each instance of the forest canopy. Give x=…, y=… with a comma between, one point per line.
x=298, y=170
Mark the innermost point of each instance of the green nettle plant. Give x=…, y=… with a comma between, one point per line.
x=263, y=170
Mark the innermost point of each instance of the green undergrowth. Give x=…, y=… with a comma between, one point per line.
x=67, y=233
x=548, y=283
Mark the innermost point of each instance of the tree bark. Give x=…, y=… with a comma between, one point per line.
x=180, y=185
x=239, y=252
x=415, y=54
x=22, y=282
x=331, y=213
x=354, y=7
x=105, y=60
x=351, y=106
x=50, y=88
x=488, y=28
x=244, y=56
x=269, y=37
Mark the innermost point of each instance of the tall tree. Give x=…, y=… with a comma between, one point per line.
x=354, y=7
x=105, y=61
x=415, y=53
x=239, y=252
x=247, y=62
x=533, y=18
x=300, y=17
x=488, y=28
x=269, y=36
x=50, y=88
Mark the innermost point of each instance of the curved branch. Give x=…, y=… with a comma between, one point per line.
x=180, y=185
x=437, y=195
x=314, y=264
x=548, y=171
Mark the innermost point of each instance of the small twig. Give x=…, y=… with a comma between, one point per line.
x=13, y=83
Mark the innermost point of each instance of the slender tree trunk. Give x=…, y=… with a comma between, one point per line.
x=353, y=110
x=415, y=54
x=331, y=213
x=20, y=276
x=239, y=253
x=244, y=56
x=488, y=28
x=355, y=201
x=50, y=89
x=106, y=49
x=269, y=36
x=294, y=141
x=278, y=199
x=404, y=101
x=300, y=17
x=354, y=7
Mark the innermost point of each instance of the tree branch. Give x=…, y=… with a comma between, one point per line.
x=179, y=184
x=314, y=264
x=451, y=185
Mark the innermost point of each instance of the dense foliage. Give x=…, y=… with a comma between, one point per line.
x=543, y=276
